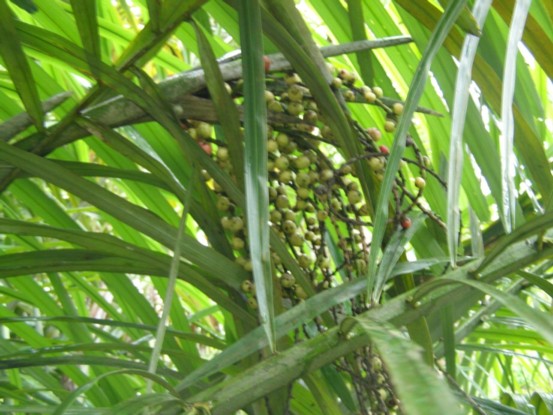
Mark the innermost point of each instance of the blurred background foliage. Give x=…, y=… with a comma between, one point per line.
x=146, y=268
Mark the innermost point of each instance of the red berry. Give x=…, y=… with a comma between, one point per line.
x=405, y=223
x=206, y=147
x=384, y=150
x=267, y=63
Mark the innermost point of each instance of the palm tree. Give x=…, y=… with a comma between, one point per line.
x=350, y=216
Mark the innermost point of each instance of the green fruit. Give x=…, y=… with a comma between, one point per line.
x=282, y=202
x=289, y=215
x=293, y=78
x=304, y=261
x=389, y=126
x=326, y=175
x=378, y=91
x=289, y=227
x=397, y=108
x=302, y=162
x=295, y=93
x=275, y=106
x=294, y=108
x=236, y=224
x=336, y=83
x=246, y=286
x=282, y=140
x=285, y=176
x=420, y=183
x=303, y=179
x=370, y=97
x=248, y=266
x=226, y=222
x=321, y=215
x=300, y=292
x=272, y=146
x=354, y=197
x=287, y=280
x=302, y=192
x=204, y=130
x=269, y=96
x=223, y=203
x=349, y=95
x=252, y=302
x=376, y=164
x=310, y=116
x=222, y=154
x=275, y=216
x=237, y=243
x=282, y=163
x=296, y=239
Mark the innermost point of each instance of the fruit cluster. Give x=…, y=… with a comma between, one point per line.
x=317, y=205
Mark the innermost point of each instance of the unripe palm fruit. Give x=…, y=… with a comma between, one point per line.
x=370, y=97
x=302, y=162
x=272, y=146
x=296, y=239
x=378, y=92
x=374, y=133
x=282, y=202
x=246, y=286
x=275, y=106
x=294, y=108
x=269, y=96
x=349, y=95
x=397, y=108
x=275, y=216
x=289, y=215
x=289, y=227
x=293, y=78
x=354, y=197
x=376, y=363
x=326, y=175
x=282, y=163
x=300, y=292
x=303, y=179
x=236, y=224
x=389, y=126
x=420, y=183
x=304, y=261
x=376, y=164
x=252, y=302
x=302, y=192
x=321, y=215
x=282, y=140
x=222, y=154
x=287, y=280
x=204, y=130
x=336, y=83
x=310, y=116
x=192, y=133
x=237, y=243
x=225, y=222
x=346, y=169
x=295, y=93
x=223, y=203
x=285, y=176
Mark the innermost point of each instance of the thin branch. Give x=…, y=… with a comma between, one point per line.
x=21, y=122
